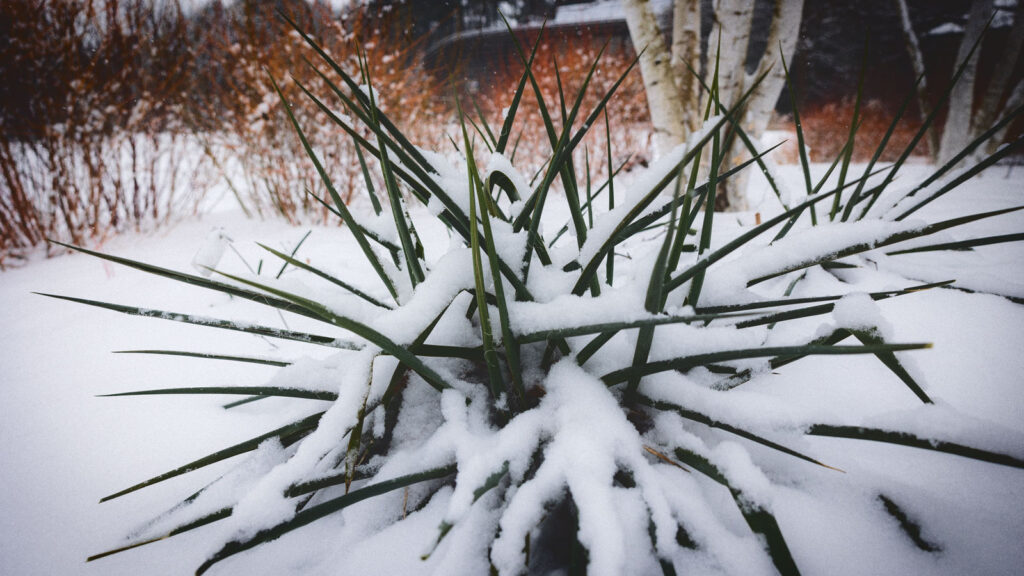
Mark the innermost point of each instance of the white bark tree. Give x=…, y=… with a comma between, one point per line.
x=957, y=131
x=664, y=99
x=673, y=93
x=965, y=121
x=686, y=57
x=1000, y=83
x=782, y=39
x=917, y=61
x=730, y=35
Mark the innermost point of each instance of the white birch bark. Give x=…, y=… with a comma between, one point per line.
x=1015, y=100
x=686, y=57
x=917, y=61
x=957, y=131
x=728, y=44
x=783, y=35
x=731, y=36
x=663, y=97
x=989, y=111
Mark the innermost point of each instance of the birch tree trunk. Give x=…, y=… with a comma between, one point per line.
x=663, y=97
x=957, y=131
x=730, y=38
x=783, y=35
x=990, y=110
x=1015, y=100
x=917, y=61
x=673, y=93
x=686, y=59
x=727, y=47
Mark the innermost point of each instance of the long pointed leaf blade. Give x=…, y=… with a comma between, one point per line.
x=688, y=362
x=870, y=338
x=357, y=92
x=760, y=520
x=507, y=337
x=990, y=160
x=412, y=262
x=323, y=509
x=384, y=242
x=356, y=231
x=913, y=441
x=742, y=240
x=246, y=390
x=490, y=354
x=212, y=322
x=307, y=423
x=247, y=359
x=970, y=148
x=889, y=240
x=294, y=252
x=745, y=138
x=856, y=196
x=302, y=265
x=192, y=279
x=713, y=423
x=818, y=310
x=585, y=329
x=517, y=96
x=962, y=245
x=655, y=298
x=197, y=523
x=651, y=217
x=358, y=328
x=805, y=163
x=789, y=301
x=370, y=191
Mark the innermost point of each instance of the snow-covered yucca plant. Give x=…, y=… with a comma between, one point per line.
x=568, y=409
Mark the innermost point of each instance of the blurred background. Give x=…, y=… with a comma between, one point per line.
x=124, y=114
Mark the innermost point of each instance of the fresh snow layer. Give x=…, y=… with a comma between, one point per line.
x=63, y=448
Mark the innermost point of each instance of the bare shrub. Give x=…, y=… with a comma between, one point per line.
x=88, y=138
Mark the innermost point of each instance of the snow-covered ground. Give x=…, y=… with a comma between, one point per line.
x=61, y=448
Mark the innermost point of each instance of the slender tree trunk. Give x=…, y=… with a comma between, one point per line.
x=783, y=34
x=730, y=38
x=990, y=111
x=1015, y=100
x=727, y=47
x=686, y=59
x=917, y=60
x=957, y=131
x=673, y=93
x=663, y=96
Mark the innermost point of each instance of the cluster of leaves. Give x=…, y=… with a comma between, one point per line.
x=520, y=398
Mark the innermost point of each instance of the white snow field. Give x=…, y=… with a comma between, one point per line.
x=62, y=448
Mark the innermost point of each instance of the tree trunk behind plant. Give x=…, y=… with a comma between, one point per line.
x=1015, y=100
x=727, y=48
x=783, y=34
x=989, y=112
x=663, y=97
x=686, y=59
x=673, y=94
x=957, y=131
x=917, y=60
x=730, y=38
